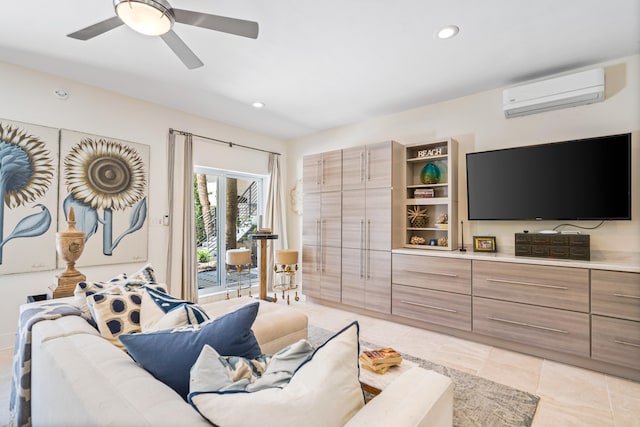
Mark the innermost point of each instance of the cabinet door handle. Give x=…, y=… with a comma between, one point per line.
x=435, y=307
x=317, y=172
x=528, y=325
x=617, y=341
x=323, y=229
x=538, y=285
x=362, y=248
x=368, y=165
x=368, y=249
x=318, y=245
x=626, y=296
x=361, y=166
x=322, y=171
x=433, y=273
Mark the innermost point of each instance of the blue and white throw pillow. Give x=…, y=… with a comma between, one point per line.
x=86, y=288
x=169, y=354
x=324, y=391
x=213, y=372
x=160, y=310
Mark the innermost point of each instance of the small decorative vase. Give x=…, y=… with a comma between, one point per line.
x=430, y=174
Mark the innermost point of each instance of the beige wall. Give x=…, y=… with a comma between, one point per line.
x=27, y=96
x=477, y=123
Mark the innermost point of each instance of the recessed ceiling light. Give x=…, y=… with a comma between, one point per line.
x=61, y=94
x=448, y=32
x=258, y=104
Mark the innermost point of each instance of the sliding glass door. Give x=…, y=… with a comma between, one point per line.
x=227, y=207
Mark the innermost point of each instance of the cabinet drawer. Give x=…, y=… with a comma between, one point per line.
x=560, y=330
x=442, y=308
x=615, y=341
x=549, y=286
x=444, y=274
x=616, y=294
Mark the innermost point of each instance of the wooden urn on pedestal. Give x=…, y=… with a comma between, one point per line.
x=69, y=245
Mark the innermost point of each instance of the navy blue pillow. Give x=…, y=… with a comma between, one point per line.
x=168, y=355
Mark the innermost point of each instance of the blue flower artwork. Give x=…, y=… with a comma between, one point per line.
x=27, y=174
x=105, y=181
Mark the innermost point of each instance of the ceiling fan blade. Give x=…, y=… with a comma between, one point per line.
x=96, y=29
x=239, y=27
x=183, y=52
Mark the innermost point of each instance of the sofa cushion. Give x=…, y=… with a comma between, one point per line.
x=324, y=391
x=160, y=310
x=277, y=325
x=169, y=354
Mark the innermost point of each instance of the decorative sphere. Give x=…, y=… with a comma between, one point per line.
x=430, y=174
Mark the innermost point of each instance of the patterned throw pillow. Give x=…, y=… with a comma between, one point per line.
x=169, y=354
x=145, y=274
x=160, y=310
x=323, y=391
x=116, y=312
x=213, y=372
x=85, y=289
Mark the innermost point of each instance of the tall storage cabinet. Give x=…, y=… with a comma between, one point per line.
x=431, y=195
x=322, y=227
x=370, y=190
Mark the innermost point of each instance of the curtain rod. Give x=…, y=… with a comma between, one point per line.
x=229, y=143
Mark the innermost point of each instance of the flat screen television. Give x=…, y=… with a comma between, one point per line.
x=587, y=179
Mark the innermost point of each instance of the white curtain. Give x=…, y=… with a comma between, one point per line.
x=181, y=257
x=275, y=212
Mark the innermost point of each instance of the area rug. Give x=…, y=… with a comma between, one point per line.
x=476, y=401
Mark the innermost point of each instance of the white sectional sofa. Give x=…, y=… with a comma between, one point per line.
x=80, y=379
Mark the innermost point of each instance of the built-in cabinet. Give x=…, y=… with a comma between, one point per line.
x=368, y=193
x=322, y=225
x=615, y=317
x=432, y=290
x=544, y=306
x=322, y=172
x=348, y=227
x=578, y=311
x=431, y=195
x=357, y=218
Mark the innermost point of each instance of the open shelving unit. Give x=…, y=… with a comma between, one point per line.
x=443, y=202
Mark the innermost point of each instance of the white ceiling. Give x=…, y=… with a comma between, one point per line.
x=318, y=64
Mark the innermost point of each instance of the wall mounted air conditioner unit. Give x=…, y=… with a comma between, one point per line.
x=571, y=90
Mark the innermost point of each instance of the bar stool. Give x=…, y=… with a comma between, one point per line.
x=285, y=268
x=238, y=264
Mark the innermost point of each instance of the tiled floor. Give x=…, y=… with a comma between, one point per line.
x=569, y=396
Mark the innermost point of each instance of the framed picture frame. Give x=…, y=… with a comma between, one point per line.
x=484, y=244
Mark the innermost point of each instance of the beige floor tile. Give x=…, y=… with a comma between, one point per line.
x=573, y=386
x=625, y=401
x=551, y=414
x=464, y=355
x=513, y=369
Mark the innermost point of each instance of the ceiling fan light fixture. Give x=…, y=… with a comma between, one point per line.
x=148, y=17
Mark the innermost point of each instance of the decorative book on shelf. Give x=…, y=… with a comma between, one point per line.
x=380, y=360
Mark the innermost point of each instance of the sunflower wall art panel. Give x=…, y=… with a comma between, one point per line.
x=28, y=197
x=106, y=182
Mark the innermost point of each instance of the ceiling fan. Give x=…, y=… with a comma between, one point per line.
x=156, y=18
